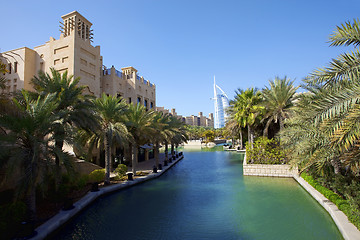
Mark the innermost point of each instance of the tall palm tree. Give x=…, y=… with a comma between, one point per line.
x=75, y=108
x=160, y=124
x=112, y=130
x=248, y=109
x=333, y=109
x=178, y=133
x=278, y=99
x=27, y=142
x=139, y=124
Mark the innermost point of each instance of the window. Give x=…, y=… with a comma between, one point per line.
x=139, y=100
x=15, y=66
x=129, y=99
x=9, y=68
x=151, y=105
x=14, y=88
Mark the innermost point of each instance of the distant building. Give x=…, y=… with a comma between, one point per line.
x=191, y=120
x=221, y=102
x=74, y=52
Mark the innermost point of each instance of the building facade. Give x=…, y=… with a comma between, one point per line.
x=192, y=120
x=221, y=102
x=73, y=52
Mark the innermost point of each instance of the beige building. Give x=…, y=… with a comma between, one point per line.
x=200, y=120
x=74, y=52
x=167, y=111
x=192, y=120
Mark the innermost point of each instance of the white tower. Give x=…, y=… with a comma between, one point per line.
x=221, y=102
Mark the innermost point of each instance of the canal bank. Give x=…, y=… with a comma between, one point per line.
x=205, y=197
x=56, y=222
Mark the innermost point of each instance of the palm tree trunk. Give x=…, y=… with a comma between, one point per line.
x=172, y=149
x=166, y=151
x=241, y=139
x=336, y=164
x=156, y=154
x=266, y=129
x=107, y=159
x=134, y=158
x=30, y=198
x=250, y=140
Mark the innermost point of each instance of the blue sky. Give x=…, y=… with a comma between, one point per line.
x=181, y=44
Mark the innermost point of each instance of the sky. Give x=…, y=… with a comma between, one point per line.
x=180, y=45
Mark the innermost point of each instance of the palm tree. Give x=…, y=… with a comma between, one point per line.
x=248, y=109
x=139, y=124
x=112, y=130
x=27, y=141
x=178, y=133
x=75, y=108
x=160, y=124
x=278, y=99
x=331, y=120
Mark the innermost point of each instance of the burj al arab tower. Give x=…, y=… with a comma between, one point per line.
x=221, y=102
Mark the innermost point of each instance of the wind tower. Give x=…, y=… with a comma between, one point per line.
x=221, y=102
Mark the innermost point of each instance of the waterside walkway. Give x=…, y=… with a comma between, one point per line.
x=62, y=217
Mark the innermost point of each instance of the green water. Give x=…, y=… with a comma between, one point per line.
x=205, y=196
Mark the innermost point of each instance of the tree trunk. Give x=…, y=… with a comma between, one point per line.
x=107, y=158
x=250, y=137
x=156, y=154
x=134, y=158
x=266, y=130
x=337, y=165
x=166, y=151
x=172, y=150
x=30, y=197
x=241, y=139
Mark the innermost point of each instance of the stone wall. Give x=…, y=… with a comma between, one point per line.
x=267, y=170
x=83, y=167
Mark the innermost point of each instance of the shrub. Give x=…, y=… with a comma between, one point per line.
x=97, y=176
x=265, y=151
x=121, y=170
x=348, y=207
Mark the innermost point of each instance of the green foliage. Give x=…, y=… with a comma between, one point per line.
x=97, y=176
x=348, y=207
x=11, y=216
x=209, y=135
x=121, y=170
x=265, y=151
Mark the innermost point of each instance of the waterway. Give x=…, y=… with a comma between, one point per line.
x=205, y=196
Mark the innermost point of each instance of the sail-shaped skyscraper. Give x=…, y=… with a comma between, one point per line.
x=221, y=102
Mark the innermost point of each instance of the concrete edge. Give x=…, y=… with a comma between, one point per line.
x=63, y=217
x=347, y=229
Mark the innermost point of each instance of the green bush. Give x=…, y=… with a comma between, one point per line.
x=97, y=176
x=121, y=170
x=265, y=151
x=347, y=206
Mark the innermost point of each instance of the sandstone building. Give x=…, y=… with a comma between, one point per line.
x=74, y=52
x=192, y=120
